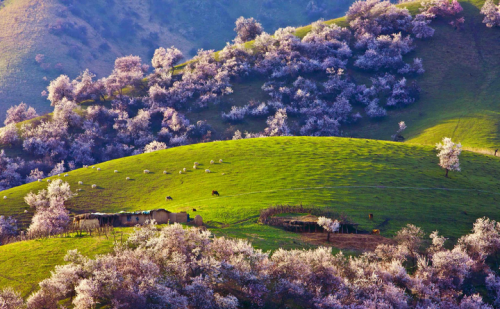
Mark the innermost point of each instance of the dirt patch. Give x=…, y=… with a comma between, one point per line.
x=361, y=242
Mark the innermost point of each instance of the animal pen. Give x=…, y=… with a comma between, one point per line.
x=308, y=224
x=298, y=218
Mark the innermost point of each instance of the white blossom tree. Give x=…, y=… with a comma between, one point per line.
x=448, y=155
x=154, y=146
x=398, y=136
x=331, y=226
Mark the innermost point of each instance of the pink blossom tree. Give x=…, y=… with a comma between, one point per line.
x=8, y=228
x=247, y=29
x=9, y=134
x=10, y=299
x=51, y=217
x=491, y=14
x=20, y=113
x=60, y=88
x=34, y=175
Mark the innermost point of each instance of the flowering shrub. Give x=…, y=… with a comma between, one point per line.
x=491, y=14
x=181, y=267
x=51, y=216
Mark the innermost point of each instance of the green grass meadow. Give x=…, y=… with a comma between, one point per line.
x=399, y=183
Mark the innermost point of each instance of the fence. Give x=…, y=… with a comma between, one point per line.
x=267, y=216
x=107, y=230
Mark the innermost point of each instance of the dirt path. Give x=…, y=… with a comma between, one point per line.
x=360, y=242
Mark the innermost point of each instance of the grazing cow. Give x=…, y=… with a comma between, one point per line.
x=375, y=232
x=370, y=216
x=215, y=193
x=169, y=198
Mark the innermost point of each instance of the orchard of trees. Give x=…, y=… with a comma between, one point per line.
x=176, y=267
x=141, y=109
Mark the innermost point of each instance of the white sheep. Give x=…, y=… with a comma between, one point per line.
x=212, y=162
x=94, y=186
x=207, y=171
x=85, y=166
x=194, y=167
x=39, y=180
x=165, y=172
x=127, y=178
x=220, y=160
x=146, y=171
x=4, y=197
x=223, y=174
x=180, y=172
x=58, y=175
x=98, y=169
x=66, y=175
x=25, y=211
x=116, y=171
x=184, y=170
x=80, y=182
x=196, y=163
x=48, y=180
x=93, y=166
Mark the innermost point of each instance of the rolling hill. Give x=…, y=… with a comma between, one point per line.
x=75, y=35
x=399, y=183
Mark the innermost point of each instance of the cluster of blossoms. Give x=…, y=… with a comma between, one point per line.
x=176, y=267
x=491, y=13
x=8, y=228
x=147, y=110
x=51, y=216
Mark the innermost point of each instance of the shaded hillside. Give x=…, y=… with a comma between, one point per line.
x=75, y=35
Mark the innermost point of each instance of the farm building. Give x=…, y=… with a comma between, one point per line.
x=162, y=216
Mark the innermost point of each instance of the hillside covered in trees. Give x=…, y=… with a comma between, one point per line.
x=42, y=39
x=274, y=117
x=316, y=81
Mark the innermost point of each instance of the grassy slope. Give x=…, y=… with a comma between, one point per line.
x=24, y=264
x=260, y=172
x=185, y=24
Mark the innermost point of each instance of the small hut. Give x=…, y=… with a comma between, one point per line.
x=123, y=218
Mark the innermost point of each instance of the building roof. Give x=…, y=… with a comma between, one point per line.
x=97, y=215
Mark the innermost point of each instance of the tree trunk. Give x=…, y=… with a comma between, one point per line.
x=446, y=173
x=328, y=237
